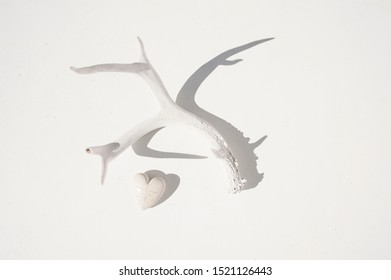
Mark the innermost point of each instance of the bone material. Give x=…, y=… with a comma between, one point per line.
x=170, y=114
x=148, y=192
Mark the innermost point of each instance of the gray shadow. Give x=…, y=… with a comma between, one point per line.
x=240, y=145
x=141, y=148
x=172, y=183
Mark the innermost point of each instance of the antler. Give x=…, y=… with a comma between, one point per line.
x=170, y=114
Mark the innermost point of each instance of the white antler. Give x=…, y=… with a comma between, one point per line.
x=170, y=114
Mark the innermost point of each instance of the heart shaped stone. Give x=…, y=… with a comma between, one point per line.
x=148, y=192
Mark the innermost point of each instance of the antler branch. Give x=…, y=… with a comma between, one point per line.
x=170, y=114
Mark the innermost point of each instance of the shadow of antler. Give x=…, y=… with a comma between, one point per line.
x=241, y=147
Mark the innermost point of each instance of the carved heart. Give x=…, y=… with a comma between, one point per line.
x=148, y=193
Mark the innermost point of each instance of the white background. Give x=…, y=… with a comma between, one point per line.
x=320, y=91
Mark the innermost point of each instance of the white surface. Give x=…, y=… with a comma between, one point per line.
x=148, y=192
x=320, y=91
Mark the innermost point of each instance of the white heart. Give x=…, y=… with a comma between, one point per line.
x=148, y=192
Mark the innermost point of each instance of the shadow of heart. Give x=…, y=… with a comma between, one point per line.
x=172, y=183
